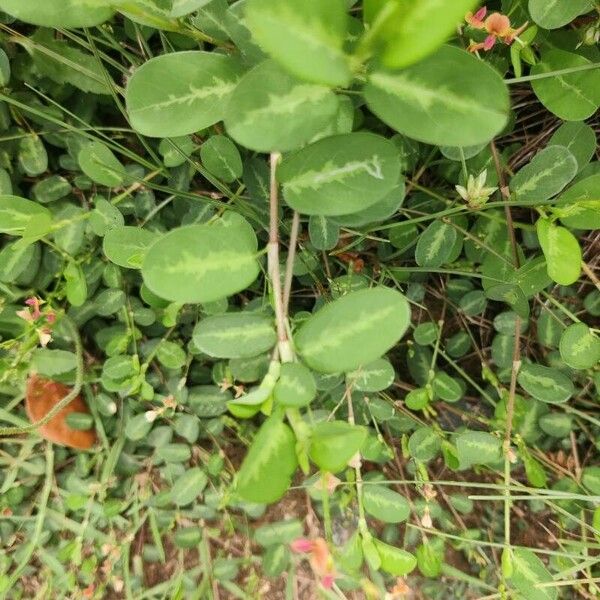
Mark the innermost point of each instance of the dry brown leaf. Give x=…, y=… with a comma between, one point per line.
x=42, y=395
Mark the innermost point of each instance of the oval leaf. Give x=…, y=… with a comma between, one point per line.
x=334, y=443
x=201, y=263
x=189, y=486
x=353, y=330
x=305, y=36
x=450, y=98
x=579, y=347
x=59, y=13
x=272, y=111
x=126, y=246
x=546, y=175
x=235, y=335
x=180, y=93
x=562, y=252
x=385, y=504
x=341, y=174
x=267, y=470
x=545, y=384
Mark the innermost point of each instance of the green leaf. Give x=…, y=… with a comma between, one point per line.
x=377, y=212
x=33, y=157
x=578, y=138
x=266, y=473
x=552, y=14
x=180, y=8
x=180, y=93
x=545, y=384
x=528, y=572
x=341, y=174
x=415, y=29
x=435, y=244
x=222, y=158
x=151, y=13
x=334, y=443
x=189, y=486
x=275, y=560
x=430, y=559
x=208, y=401
x=271, y=110
x=324, y=232
x=65, y=64
x=447, y=388
x=571, y=96
x=281, y=532
x=188, y=537
x=173, y=453
x=422, y=102
x=424, y=444
x=545, y=176
x=590, y=477
x=59, y=13
x=79, y=421
x=99, y=163
x=176, y=151
x=353, y=330
x=305, y=36
x=417, y=399
x=579, y=206
x=171, y=355
x=395, y=561
x=235, y=335
x=51, y=189
x=373, y=377
x=76, y=285
x=16, y=259
x=105, y=217
x=50, y=363
x=137, y=427
x=384, y=504
x=126, y=246
x=295, y=387
x=562, y=252
x=478, y=448
x=202, y=263
x=579, y=347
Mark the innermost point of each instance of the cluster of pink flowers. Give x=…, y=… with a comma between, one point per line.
x=320, y=558
x=42, y=319
x=497, y=26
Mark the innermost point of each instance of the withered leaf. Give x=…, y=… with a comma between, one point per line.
x=42, y=395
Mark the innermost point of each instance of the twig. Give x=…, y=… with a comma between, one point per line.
x=506, y=196
x=285, y=349
x=590, y=273
x=289, y=266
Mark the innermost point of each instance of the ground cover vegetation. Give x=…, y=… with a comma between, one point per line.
x=299, y=299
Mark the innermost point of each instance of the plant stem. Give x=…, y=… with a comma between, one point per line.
x=289, y=265
x=284, y=346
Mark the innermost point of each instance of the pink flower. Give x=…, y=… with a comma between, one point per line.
x=328, y=581
x=45, y=336
x=476, y=20
x=35, y=304
x=25, y=314
x=497, y=26
x=301, y=545
x=320, y=558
